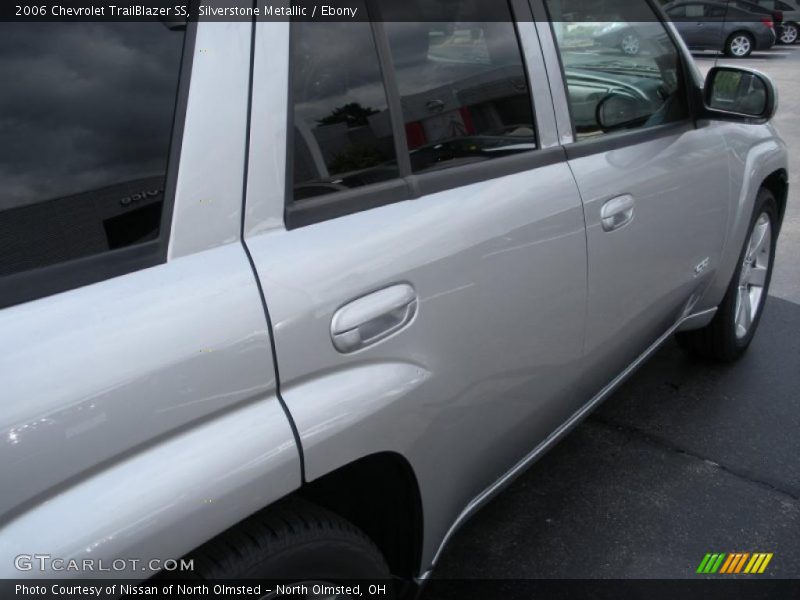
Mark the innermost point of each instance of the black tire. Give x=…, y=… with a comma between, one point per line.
x=718, y=340
x=730, y=41
x=294, y=541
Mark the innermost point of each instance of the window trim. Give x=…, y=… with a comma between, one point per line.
x=346, y=202
x=394, y=103
x=621, y=139
x=34, y=284
x=613, y=141
x=409, y=185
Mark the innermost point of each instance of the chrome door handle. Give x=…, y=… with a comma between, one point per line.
x=617, y=212
x=373, y=318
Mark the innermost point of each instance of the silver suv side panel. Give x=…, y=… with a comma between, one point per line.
x=646, y=275
x=694, y=189
x=78, y=394
x=482, y=372
x=146, y=404
x=754, y=152
x=209, y=197
x=162, y=501
x=140, y=415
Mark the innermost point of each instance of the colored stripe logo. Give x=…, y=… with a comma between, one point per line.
x=734, y=563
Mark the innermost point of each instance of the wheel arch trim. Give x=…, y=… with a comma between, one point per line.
x=751, y=169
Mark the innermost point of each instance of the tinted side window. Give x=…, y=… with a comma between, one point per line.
x=687, y=11
x=621, y=74
x=677, y=12
x=86, y=117
x=342, y=129
x=696, y=11
x=462, y=83
x=715, y=12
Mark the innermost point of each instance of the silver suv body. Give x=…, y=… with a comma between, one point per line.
x=391, y=339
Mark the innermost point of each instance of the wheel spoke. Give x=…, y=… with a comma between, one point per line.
x=753, y=275
x=741, y=291
x=747, y=311
x=759, y=239
x=740, y=46
x=757, y=276
x=742, y=313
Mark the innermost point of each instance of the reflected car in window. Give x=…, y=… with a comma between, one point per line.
x=722, y=27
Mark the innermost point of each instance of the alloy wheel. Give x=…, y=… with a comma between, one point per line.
x=741, y=45
x=631, y=44
x=789, y=34
x=753, y=277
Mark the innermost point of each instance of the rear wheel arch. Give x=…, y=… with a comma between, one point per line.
x=379, y=494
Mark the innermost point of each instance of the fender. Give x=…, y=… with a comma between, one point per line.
x=750, y=164
x=165, y=501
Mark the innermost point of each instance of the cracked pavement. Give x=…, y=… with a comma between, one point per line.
x=685, y=458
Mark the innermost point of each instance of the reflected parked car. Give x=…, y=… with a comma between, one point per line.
x=722, y=27
x=622, y=36
x=789, y=29
x=764, y=10
x=629, y=38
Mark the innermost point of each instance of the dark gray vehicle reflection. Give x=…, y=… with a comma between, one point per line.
x=722, y=27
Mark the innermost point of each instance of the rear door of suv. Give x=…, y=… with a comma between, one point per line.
x=421, y=244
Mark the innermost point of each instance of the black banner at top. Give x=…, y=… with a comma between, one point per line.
x=179, y=11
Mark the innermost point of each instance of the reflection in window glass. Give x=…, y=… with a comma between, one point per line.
x=462, y=82
x=342, y=130
x=697, y=10
x=86, y=112
x=622, y=69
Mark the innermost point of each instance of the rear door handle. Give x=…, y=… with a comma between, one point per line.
x=617, y=212
x=373, y=318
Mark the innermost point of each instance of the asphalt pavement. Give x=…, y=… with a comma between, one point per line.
x=686, y=458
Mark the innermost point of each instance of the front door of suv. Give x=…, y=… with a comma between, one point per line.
x=654, y=186
x=423, y=256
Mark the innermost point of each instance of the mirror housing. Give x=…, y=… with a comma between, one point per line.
x=617, y=110
x=733, y=93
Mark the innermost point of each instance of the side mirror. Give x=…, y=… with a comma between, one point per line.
x=739, y=94
x=618, y=110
